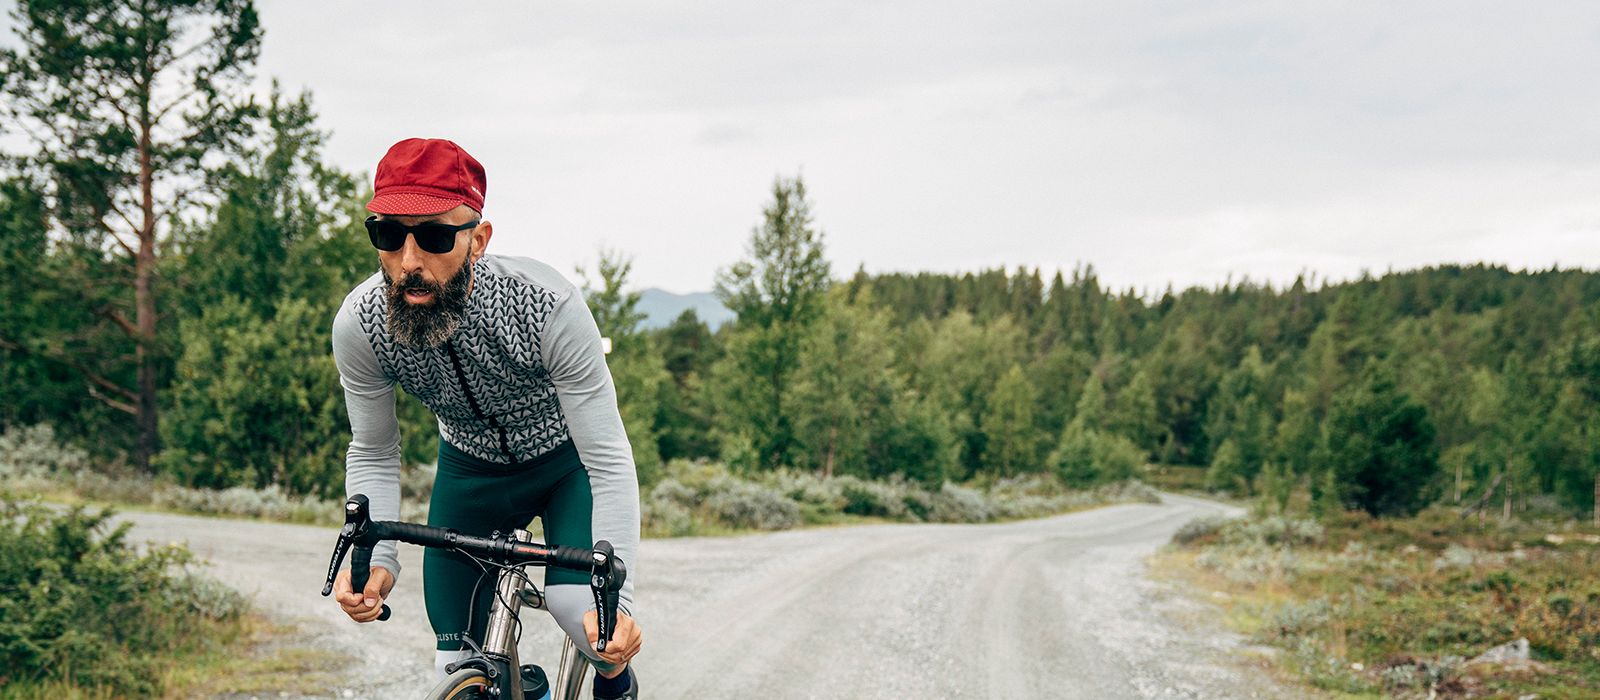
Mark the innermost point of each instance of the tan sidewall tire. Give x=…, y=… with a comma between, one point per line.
x=453, y=685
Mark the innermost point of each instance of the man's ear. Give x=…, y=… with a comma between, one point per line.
x=480, y=239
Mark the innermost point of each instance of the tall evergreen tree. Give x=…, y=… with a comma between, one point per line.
x=637, y=370
x=777, y=294
x=1011, y=434
x=848, y=385
x=1379, y=443
x=683, y=417
x=122, y=104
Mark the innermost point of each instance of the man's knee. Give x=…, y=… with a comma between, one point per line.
x=568, y=604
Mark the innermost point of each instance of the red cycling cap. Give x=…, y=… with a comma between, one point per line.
x=426, y=176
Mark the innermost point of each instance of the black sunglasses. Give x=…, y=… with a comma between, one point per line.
x=434, y=237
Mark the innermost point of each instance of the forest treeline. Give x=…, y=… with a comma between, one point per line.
x=173, y=249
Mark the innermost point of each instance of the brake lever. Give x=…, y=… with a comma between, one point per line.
x=356, y=519
x=605, y=581
x=354, y=512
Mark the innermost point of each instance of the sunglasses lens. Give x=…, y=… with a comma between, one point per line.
x=386, y=236
x=435, y=238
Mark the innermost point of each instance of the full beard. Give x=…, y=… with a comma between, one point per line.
x=430, y=324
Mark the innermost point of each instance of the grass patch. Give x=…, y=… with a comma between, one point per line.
x=262, y=664
x=1367, y=607
x=250, y=658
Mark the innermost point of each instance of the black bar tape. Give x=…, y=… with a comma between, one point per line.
x=416, y=534
x=360, y=571
x=572, y=558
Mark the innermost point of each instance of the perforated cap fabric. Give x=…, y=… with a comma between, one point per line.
x=427, y=176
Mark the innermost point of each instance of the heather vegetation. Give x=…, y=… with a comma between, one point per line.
x=1408, y=607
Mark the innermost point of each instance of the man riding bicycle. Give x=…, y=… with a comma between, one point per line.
x=506, y=354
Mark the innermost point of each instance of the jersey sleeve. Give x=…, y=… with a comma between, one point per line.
x=571, y=351
x=372, y=465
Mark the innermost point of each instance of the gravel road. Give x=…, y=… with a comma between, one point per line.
x=1051, y=608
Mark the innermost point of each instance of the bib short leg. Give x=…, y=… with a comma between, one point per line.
x=477, y=497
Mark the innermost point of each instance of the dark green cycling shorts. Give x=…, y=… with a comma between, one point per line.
x=477, y=497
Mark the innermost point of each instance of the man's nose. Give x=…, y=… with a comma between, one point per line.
x=410, y=255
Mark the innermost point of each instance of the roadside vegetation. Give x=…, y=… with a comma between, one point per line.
x=688, y=498
x=84, y=613
x=1408, y=607
x=696, y=498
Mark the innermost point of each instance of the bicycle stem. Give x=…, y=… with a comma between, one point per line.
x=497, y=640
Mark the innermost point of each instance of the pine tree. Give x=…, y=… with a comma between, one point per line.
x=1011, y=434
x=637, y=370
x=777, y=294
x=123, y=105
x=1380, y=446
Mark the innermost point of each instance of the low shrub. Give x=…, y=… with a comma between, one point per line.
x=1127, y=491
x=1204, y=527
x=813, y=490
x=873, y=498
x=33, y=451
x=959, y=504
x=81, y=607
x=744, y=504
x=271, y=503
x=1273, y=530
x=666, y=518
x=416, y=482
x=690, y=497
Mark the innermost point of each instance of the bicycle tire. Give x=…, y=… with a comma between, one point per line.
x=464, y=684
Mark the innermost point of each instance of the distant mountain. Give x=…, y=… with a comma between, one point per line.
x=660, y=307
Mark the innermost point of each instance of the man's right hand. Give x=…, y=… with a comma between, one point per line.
x=366, y=605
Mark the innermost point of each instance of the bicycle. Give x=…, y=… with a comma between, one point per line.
x=493, y=671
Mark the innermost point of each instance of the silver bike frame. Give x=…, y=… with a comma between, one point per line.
x=499, y=642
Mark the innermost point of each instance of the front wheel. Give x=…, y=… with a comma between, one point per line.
x=464, y=684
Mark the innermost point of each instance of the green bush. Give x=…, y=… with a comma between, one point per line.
x=1203, y=527
x=750, y=505
x=872, y=498
x=1086, y=457
x=667, y=517
x=1380, y=444
x=811, y=490
x=80, y=606
x=959, y=504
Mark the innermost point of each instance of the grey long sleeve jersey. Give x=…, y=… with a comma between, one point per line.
x=530, y=354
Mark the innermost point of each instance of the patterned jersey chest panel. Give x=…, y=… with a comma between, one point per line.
x=498, y=346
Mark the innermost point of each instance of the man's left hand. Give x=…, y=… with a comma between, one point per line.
x=624, y=642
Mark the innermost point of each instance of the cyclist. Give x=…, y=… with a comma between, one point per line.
x=506, y=354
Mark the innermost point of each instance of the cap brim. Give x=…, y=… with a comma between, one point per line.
x=412, y=204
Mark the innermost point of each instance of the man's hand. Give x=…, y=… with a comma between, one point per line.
x=624, y=642
x=366, y=605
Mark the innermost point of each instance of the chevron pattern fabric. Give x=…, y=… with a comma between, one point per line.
x=498, y=346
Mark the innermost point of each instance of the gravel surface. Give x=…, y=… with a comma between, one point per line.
x=1051, y=608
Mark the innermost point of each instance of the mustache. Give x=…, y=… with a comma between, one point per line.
x=414, y=280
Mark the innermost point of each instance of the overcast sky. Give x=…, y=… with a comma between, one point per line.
x=1161, y=142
